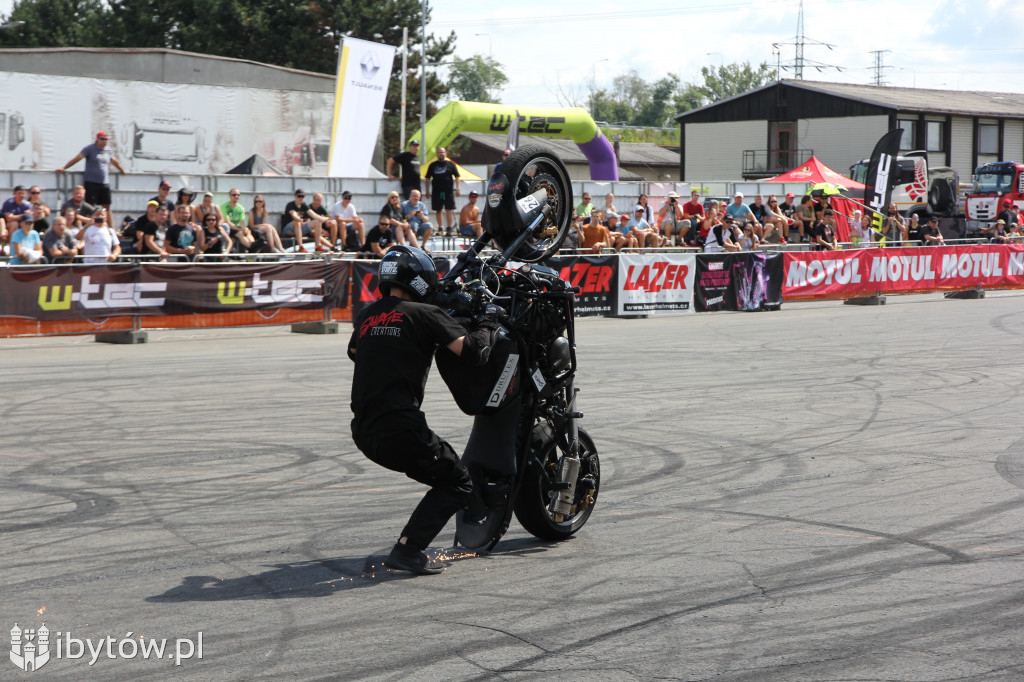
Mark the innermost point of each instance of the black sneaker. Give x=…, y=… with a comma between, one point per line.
x=408, y=558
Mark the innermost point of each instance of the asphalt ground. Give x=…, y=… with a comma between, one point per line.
x=828, y=492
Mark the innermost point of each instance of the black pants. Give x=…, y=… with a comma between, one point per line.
x=425, y=458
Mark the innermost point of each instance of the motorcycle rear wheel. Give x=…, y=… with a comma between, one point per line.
x=531, y=508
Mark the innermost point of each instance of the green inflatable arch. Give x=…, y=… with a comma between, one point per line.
x=476, y=117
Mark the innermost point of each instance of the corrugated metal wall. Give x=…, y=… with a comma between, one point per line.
x=714, y=151
x=841, y=142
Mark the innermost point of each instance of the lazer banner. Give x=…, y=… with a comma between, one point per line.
x=881, y=175
x=595, y=276
x=364, y=71
x=845, y=274
x=737, y=281
x=652, y=284
x=95, y=292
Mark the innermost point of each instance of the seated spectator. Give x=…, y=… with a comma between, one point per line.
x=932, y=236
x=154, y=234
x=620, y=235
x=416, y=214
x=295, y=220
x=35, y=195
x=16, y=206
x=759, y=209
x=997, y=233
x=1014, y=234
x=749, y=241
x=609, y=206
x=824, y=233
x=723, y=237
x=804, y=217
x=72, y=222
x=259, y=222
x=914, y=227
x=164, y=199
x=693, y=216
x=595, y=235
x=213, y=238
x=402, y=230
x=26, y=244
x=774, y=222
x=181, y=235
x=469, y=218
x=207, y=207
x=379, y=239
x=344, y=213
x=585, y=207
x=58, y=244
x=186, y=195
x=100, y=243
x=234, y=221
x=713, y=216
x=645, y=235
x=320, y=220
x=135, y=232
x=671, y=213
x=39, y=213
x=648, y=212
x=741, y=213
x=788, y=209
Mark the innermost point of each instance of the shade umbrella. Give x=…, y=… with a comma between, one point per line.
x=827, y=189
x=813, y=171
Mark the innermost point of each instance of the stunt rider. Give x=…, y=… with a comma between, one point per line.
x=392, y=345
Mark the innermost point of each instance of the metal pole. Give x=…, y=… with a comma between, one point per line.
x=405, y=70
x=423, y=84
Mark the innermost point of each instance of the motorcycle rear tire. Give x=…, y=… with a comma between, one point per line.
x=531, y=508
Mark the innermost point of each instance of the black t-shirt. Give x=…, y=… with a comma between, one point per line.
x=442, y=175
x=215, y=242
x=787, y=209
x=825, y=232
x=392, y=212
x=394, y=342
x=410, y=164
x=758, y=211
x=144, y=226
x=181, y=236
x=286, y=217
x=383, y=237
x=927, y=231
x=167, y=203
x=319, y=210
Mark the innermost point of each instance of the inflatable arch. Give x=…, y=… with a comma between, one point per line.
x=477, y=117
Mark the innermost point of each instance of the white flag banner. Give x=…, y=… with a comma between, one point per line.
x=364, y=70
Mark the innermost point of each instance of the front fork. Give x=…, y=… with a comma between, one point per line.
x=564, y=497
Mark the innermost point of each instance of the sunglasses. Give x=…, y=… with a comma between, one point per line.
x=35, y=191
x=211, y=220
x=235, y=195
x=258, y=201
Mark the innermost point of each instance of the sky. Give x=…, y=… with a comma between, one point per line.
x=552, y=53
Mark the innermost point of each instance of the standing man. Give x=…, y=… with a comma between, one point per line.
x=409, y=162
x=98, y=159
x=392, y=345
x=444, y=184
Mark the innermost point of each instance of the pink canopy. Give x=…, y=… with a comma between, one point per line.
x=814, y=171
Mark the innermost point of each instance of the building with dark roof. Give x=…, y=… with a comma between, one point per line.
x=769, y=130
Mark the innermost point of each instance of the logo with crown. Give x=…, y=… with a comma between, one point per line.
x=30, y=649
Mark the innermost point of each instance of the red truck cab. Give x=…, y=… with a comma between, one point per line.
x=994, y=184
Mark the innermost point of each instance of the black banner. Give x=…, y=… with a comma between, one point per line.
x=881, y=175
x=596, y=278
x=66, y=292
x=737, y=281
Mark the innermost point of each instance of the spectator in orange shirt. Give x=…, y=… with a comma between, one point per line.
x=595, y=235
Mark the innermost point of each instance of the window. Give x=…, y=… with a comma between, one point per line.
x=988, y=138
x=934, y=142
x=909, y=134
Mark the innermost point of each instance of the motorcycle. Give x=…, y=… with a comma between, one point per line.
x=526, y=452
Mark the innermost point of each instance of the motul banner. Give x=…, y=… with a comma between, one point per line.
x=595, y=276
x=844, y=274
x=737, y=281
x=655, y=283
x=95, y=292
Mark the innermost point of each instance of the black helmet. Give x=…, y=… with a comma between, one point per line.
x=410, y=269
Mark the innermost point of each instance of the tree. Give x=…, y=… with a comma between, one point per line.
x=722, y=83
x=477, y=79
x=301, y=35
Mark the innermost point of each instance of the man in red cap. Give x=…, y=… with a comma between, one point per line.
x=98, y=159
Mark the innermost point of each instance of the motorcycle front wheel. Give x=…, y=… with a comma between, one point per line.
x=531, y=508
x=528, y=169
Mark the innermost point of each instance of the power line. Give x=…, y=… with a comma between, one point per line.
x=879, y=66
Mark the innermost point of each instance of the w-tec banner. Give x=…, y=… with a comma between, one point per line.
x=655, y=283
x=94, y=292
x=737, y=281
x=843, y=274
x=364, y=70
